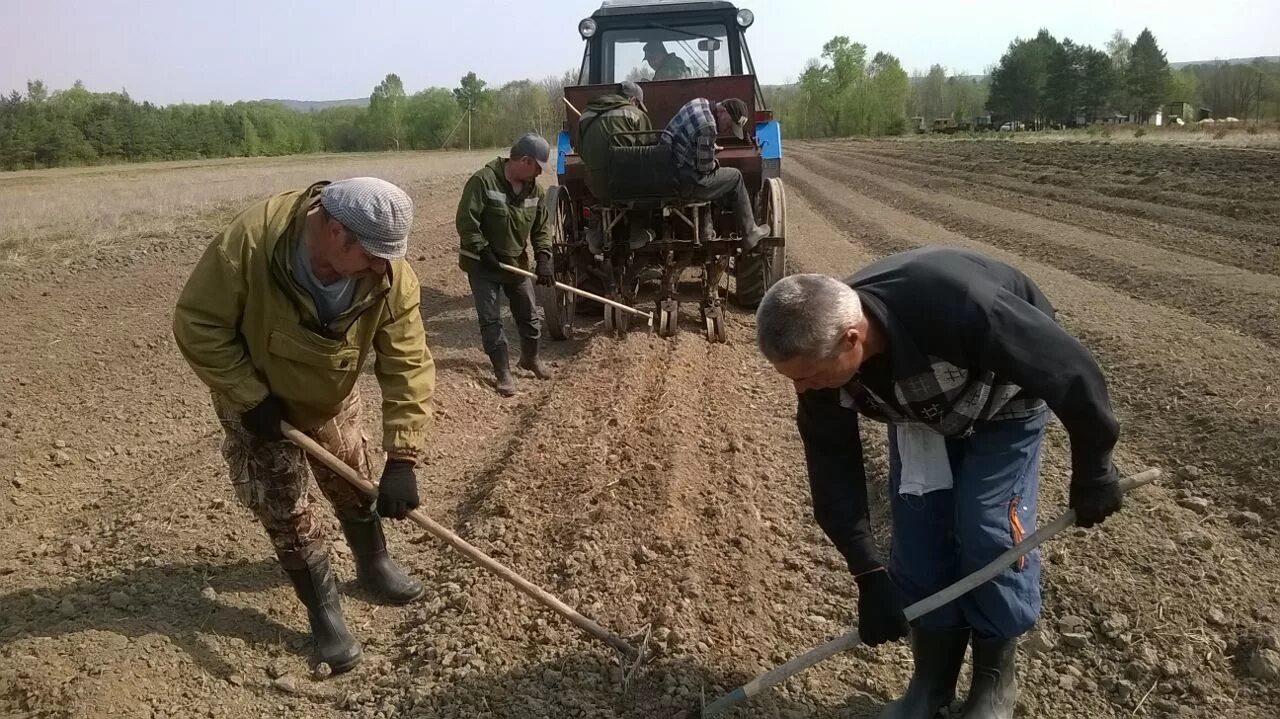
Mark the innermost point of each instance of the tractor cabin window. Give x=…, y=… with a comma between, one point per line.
x=693, y=51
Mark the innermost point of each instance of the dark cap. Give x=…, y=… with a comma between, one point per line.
x=532, y=145
x=737, y=110
x=631, y=90
x=655, y=46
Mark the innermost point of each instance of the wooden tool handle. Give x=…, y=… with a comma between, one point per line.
x=460, y=545
x=569, y=288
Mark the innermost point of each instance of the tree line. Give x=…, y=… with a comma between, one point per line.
x=73, y=127
x=1039, y=81
x=844, y=93
x=1046, y=82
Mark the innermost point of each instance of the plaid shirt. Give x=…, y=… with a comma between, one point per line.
x=948, y=399
x=692, y=136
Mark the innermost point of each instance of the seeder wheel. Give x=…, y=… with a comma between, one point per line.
x=668, y=318
x=713, y=322
x=615, y=320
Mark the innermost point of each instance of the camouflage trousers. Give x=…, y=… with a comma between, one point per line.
x=273, y=479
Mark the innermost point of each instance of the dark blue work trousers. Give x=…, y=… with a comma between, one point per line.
x=944, y=535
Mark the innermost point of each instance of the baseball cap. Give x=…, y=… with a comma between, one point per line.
x=532, y=145
x=655, y=46
x=737, y=110
x=629, y=89
x=379, y=213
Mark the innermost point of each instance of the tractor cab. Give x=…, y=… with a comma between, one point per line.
x=676, y=50
x=664, y=40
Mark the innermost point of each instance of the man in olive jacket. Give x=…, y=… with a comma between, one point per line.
x=277, y=319
x=499, y=215
x=611, y=120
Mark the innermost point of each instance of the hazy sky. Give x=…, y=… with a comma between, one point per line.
x=186, y=51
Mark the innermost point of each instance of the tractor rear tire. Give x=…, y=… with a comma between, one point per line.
x=754, y=272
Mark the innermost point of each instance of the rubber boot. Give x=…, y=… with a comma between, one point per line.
x=529, y=359
x=937, y=654
x=314, y=584
x=759, y=232
x=374, y=569
x=994, y=690
x=506, y=384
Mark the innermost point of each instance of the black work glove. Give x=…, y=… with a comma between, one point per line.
x=1095, y=499
x=488, y=259
x=545, y=269
x=263, y=419
x=880, y=617
x=398, y=489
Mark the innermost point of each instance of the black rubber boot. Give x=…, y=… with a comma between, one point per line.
x=506, y=384
x=994, y=690
x=529, y=359
x=938, y=655
x=314, y=583
x=374, y=569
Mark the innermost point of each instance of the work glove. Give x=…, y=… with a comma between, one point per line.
x=545, y=269
x=263, y=419
x=880, y=617
x=1095, y=499
x=398, y=489
x=488, y=259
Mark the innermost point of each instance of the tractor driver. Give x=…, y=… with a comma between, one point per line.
x=666, y=65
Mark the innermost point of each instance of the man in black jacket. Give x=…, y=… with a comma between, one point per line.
x=960, y=355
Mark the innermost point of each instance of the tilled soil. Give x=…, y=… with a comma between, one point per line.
x=658, y=485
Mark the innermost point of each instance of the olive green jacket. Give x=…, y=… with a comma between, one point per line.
x=247, y=328
x=491, y=214
x=598, y=128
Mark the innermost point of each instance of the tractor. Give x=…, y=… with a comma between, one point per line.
x=593, y=237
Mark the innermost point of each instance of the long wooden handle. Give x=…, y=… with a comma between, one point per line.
x=570, y=288
x=461, y=546
x=847, y=641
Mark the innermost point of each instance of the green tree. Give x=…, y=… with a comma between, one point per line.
x=387, y=110
x=1097, y=82
x=827, y=85
x=890, y=89
x=1147, y=75
x=432, y=114
x=1018, y=84
x=472, y=97
x=1184, y=86
x=1118, y=49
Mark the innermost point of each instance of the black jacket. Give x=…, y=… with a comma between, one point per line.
x=970, y=339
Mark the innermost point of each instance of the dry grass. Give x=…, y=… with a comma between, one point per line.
x=54, y=217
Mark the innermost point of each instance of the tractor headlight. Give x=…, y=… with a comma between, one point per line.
x=587, y=28
x=745, y=18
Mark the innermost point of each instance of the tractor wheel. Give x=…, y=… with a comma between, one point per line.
x=755, y=272
x=559, y=307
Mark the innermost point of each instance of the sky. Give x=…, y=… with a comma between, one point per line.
x=185, y=51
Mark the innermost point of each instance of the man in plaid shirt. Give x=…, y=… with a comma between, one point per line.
x=960, y=355
x=692, y=136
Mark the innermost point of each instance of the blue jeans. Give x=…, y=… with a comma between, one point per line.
x=942, y=536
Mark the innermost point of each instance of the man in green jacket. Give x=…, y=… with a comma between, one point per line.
x=277, y=319
x=609, y=121
x=612, y=120
x=499, y=215
x=666, y=65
